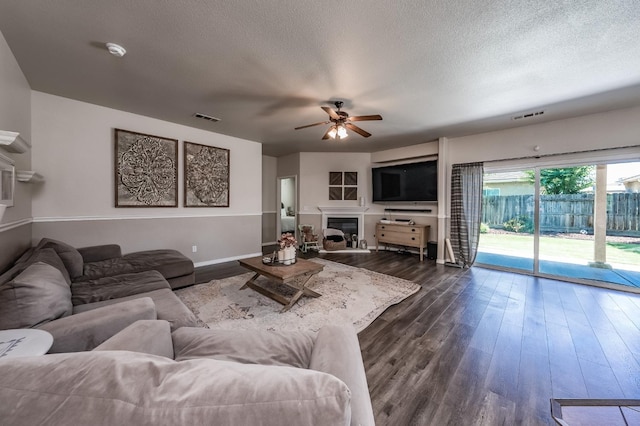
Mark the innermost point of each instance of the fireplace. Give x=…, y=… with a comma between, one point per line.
x=349, y=220
x=348, y=225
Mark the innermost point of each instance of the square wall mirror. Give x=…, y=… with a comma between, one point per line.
x=7, y=180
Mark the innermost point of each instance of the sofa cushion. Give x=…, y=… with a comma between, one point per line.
x=168, y=307
x=291, y=348
x=116, y=287
x=170, y=263
x=151, y=337
x=71, y=257
x=86, y=330
x=118, y=387
x=39, y=294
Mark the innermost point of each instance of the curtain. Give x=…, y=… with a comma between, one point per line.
x=466, y=211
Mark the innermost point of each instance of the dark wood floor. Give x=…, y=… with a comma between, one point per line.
x=481, y=346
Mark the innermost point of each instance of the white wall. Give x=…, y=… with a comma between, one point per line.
x=73, y=148
x=619, y=128
x=270, y=208
x=269, y=171
x=314, y=179
x=15, y=116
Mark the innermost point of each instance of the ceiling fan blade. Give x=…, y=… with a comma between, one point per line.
x=311, y=125
x=357, y=130
x=326, y=134
x=331, y=113
x=365, y=117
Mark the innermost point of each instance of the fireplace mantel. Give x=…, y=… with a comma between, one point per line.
x=342, y=209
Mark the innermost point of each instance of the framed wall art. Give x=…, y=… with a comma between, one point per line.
x=206, y=176
x=343, y=185
x=146, y=170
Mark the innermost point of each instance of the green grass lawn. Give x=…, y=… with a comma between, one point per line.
x=522, y=245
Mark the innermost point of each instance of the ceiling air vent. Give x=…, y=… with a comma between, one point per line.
x=206, y=117
x=527, y=115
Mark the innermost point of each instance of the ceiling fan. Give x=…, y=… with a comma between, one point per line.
x=340, y=122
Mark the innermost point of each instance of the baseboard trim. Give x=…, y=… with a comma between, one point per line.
x=226, y=259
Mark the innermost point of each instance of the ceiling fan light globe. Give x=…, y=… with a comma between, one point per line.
x=332, y=133
x=342, y=133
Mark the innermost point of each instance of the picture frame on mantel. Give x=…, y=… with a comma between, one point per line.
x=145, y=170
x=206, y=175
x=7, y=180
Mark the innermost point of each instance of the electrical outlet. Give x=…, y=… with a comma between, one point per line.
x=194, y=249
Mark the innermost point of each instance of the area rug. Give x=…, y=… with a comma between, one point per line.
x=349, y=295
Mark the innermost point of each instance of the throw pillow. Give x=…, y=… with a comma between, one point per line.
x=50, y=257
x=37, y=295
x=71, y=257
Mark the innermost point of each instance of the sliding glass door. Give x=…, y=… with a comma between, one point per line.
x=507, y=230
x=583, y=225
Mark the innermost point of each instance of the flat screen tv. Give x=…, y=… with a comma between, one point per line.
x=406, y=182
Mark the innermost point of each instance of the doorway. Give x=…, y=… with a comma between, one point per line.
x=579, y=223
x=287, y=200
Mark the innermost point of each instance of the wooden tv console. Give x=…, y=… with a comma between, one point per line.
x=402, y=234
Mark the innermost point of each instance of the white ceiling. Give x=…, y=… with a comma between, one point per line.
x=431, y=68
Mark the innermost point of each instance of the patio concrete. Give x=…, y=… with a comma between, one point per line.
x=571, y=270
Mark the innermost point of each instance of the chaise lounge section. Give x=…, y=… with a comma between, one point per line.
x=59, y=289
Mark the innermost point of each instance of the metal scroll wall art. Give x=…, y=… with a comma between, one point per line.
x=146, y=172
x=206, y=176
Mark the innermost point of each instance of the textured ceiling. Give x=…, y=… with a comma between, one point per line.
x=431, y=68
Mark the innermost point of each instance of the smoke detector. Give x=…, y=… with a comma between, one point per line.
x=116, y=50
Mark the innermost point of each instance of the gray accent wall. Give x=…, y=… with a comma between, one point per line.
x=217, y=238
x=269, y=227
x=13, y=242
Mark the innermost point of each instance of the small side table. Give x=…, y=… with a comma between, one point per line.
x=24, y=342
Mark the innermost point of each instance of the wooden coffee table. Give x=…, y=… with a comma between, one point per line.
x=295, y=276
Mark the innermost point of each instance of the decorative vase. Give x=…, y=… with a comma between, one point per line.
x=289, y=255
x=281, y=256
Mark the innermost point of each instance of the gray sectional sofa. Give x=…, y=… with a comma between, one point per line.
x=85, y=296
x=146, y=375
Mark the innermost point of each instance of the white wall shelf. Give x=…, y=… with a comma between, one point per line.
x=28, y=176
x=12, y=142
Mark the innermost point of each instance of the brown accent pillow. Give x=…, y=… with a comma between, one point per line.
x=37, y=295
x=71, y=257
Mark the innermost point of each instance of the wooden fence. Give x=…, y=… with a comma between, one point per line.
x=566, y=213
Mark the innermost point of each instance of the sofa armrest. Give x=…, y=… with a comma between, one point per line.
x=151, y=337
x=86, y=330
x=337, y=352
x=101, y=252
